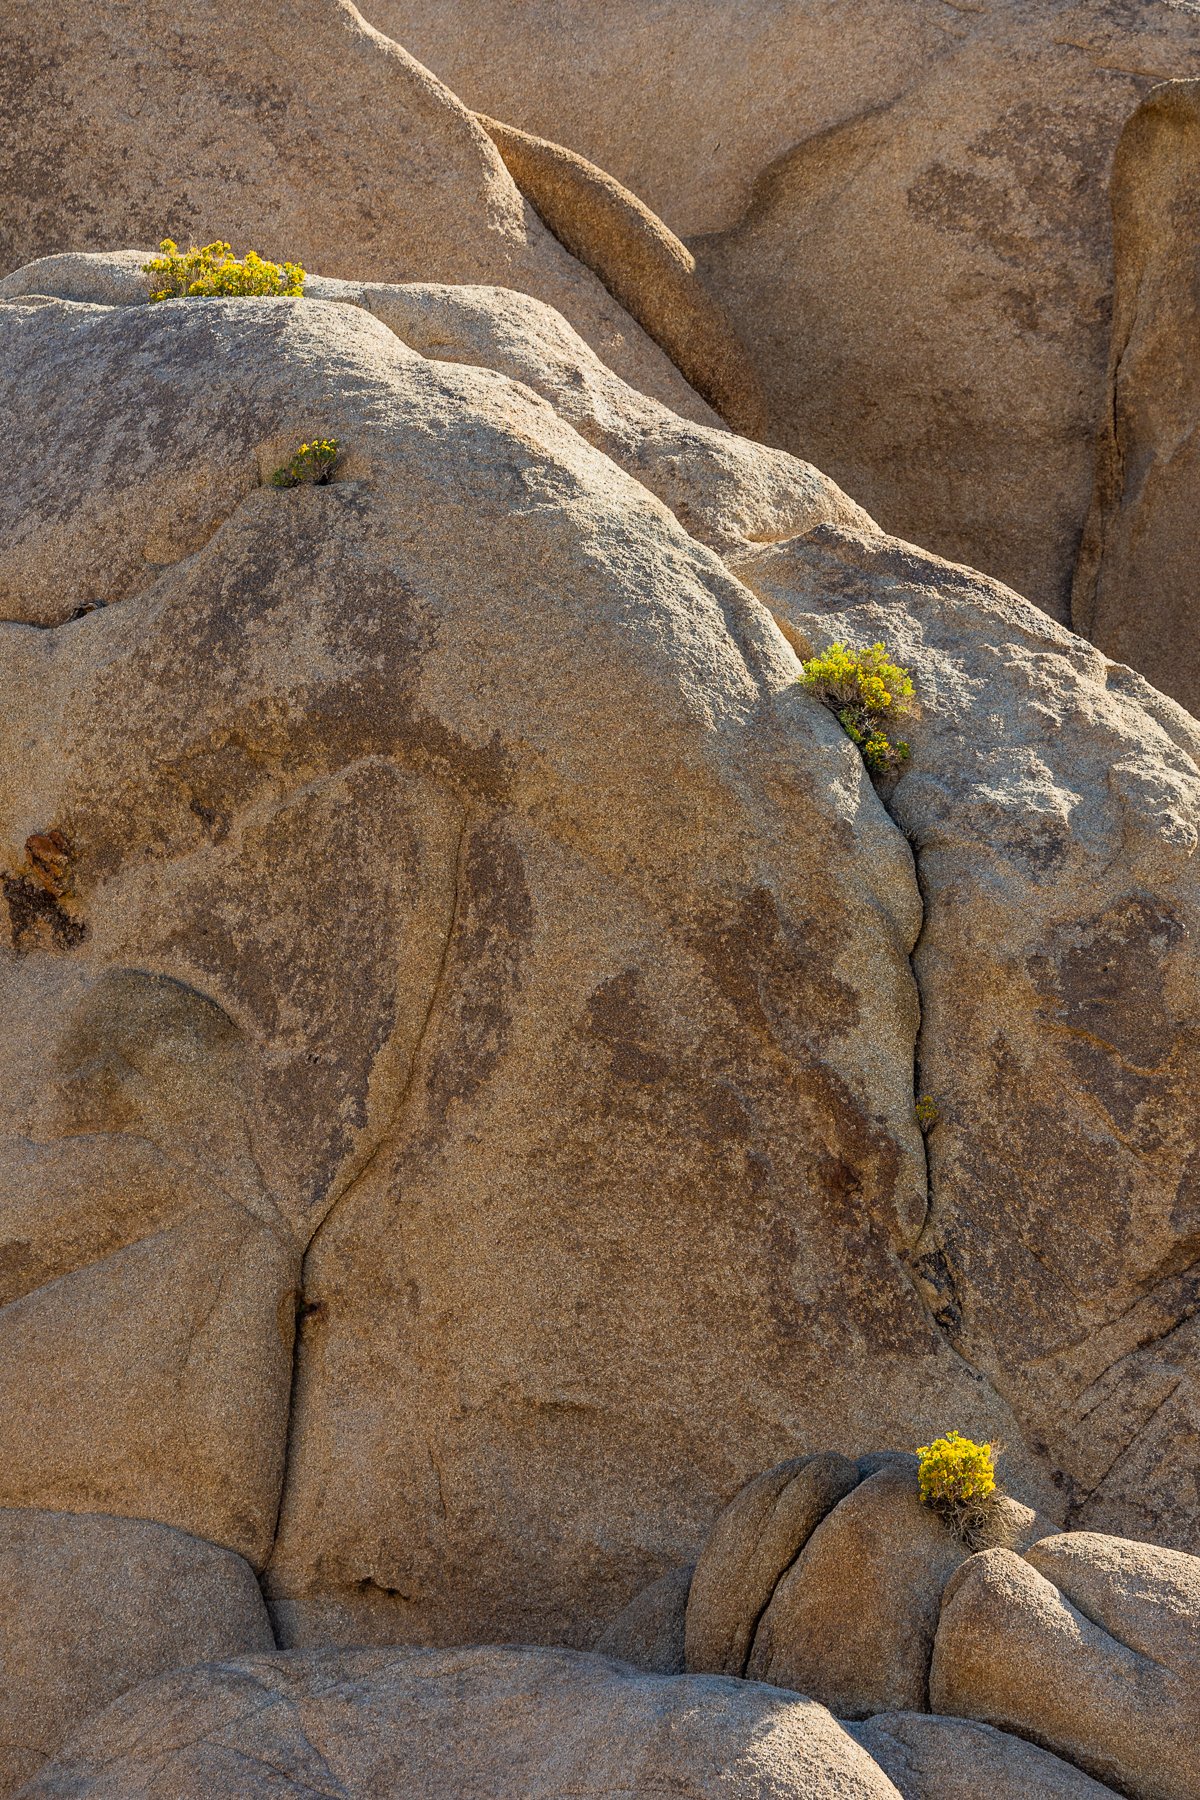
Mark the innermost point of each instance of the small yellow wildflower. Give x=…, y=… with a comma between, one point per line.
x=927, y=1112
x=312, y=462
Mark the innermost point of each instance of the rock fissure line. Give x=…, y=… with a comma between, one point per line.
x=912, y=1256
x=388, y=1131
x=1109, y=481
x=912, y=964
x=386, y=1138
x=1081, y=1495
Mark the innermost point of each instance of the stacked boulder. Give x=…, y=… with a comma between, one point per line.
x=831, y=1577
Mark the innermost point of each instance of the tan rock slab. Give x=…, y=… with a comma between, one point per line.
x=92, y=1606
x=928, y=1757
x=481, y=1724
x=377, y=772
x=649, y=1632
x=1045, y=783
x=642, y=263
x=154, y=1383
x=725, y=490
x=903, y=205
x=405, y=184
x=852, y=1621
x=1135, y=588
x=1147, y=1596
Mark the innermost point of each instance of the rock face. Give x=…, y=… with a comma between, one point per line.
x=902, y=204
x=490, y=1724
x=826, y=1576
x=643, y=264
x=313, y=138
x=1135, y=586
x=650, y=1631
x=592, y=1071
x=1089, y=1645
x=465, y=1003
x=869, y=1653
x=93, y=1606
x=1085, y=1644
x=730, y=494
x=440, y=929
x=754, y=1542
x=1060, y=1032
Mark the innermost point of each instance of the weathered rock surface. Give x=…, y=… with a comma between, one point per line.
x=650, y=1631
x=903, y=205
x=751, y=1546
x=147, y=1287
x=1089, y=1645
x=852, y=1620
x=927, y=1757
x=438, y=877
x=1135, y=586
x=1062, y=1638
x=1053, y=804
x=309, y=136
x=643, y=264
x=154, y=1382
x=532, y=1040
x=483, y=1724
x=91, y=1607
x=725, y=491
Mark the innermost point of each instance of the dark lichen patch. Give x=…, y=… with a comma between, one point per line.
x=37, y=918
x=622, y=1023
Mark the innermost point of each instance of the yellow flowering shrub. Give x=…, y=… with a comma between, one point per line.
x=311, y=462
x=214, y=272
x=864, y=688
x=953, y=1469
x=927, y=1112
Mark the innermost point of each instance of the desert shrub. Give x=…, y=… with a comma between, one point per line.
x=927, y=1112
x=865, y=689
x=957, y=1480
x=214, y=271
x=311, y=462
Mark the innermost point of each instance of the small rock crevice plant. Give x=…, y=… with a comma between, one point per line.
x=957, y=1480
x=37, y=895
x=312, y=462
x=214, y=272
x=866, y=690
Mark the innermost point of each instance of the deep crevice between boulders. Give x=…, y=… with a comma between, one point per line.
x=928, y=1268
